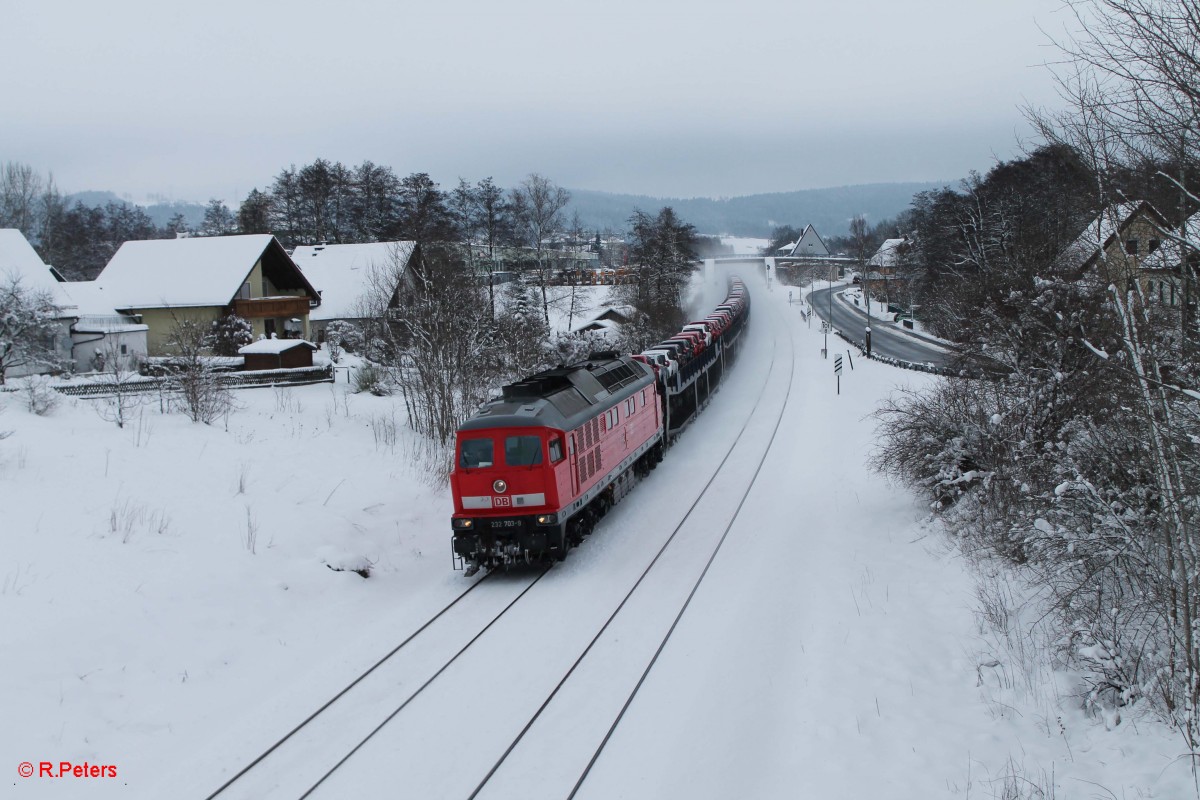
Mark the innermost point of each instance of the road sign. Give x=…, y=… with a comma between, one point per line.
x=837, y=364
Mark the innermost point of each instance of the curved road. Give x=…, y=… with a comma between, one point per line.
x=886, y=339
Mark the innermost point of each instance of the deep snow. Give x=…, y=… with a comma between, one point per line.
x=167, y=606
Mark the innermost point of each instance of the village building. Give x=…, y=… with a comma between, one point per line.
x=1121, y=245
x=884, y=279
x=357, y=281
x=606, y=318
x=809, y=245
x=164, y=282
x=91, y=334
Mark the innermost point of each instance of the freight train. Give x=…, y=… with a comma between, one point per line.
x=536, y=468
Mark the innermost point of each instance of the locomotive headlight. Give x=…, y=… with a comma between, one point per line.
x=500, y=487
x=463, y=524
x=547, y=519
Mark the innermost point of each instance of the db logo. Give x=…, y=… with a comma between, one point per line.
x=501, y=501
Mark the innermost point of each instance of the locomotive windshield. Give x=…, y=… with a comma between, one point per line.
x=476, y=453
x=522, y=451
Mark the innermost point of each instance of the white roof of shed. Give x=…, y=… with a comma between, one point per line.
x=202, y=271
x=274, y=346
x=341, y=272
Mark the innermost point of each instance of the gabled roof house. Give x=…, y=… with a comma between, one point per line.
x=345, y=274
x=166, y=281
x=810, y=244
x=91, y=333
x=1114, y=244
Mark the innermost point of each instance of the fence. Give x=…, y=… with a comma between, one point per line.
x=258, y=379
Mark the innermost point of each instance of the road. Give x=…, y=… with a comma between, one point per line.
x=886, y=340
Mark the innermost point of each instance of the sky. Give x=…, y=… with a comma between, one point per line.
x=670, y=98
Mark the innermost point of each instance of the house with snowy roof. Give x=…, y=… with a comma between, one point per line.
x=356, y=281
x=809, y=245
x=886, y=260
x=1162, y=268
x=606, y=318
x=1118, y=246
x=163, y=282
x=90, y=333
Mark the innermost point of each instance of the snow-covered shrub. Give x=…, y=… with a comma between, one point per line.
x=28, y=327
x=341, y=335
x=122, y=378
x=39, y=397
x=231, y=333
x=371, y=379
x=195, y=386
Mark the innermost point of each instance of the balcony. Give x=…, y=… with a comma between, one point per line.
x=263, y=307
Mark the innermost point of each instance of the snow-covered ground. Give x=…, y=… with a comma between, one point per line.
x=743, y=245
x=168, y=607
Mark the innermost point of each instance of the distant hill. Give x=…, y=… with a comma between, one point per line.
x=828, y=210
x=159, y=213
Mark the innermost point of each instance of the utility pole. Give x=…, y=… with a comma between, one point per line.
x=867, y=288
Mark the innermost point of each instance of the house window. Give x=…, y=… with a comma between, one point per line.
x=1152, y=245
x=1131, y=246
x=244, y=292
x=124, y=350
x=269, y=327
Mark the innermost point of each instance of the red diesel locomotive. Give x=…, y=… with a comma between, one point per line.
x=535, y=469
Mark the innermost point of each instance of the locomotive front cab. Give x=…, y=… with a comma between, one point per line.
x=506, y=486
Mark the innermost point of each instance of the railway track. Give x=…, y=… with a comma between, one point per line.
x=695, y=585
x=345, y=723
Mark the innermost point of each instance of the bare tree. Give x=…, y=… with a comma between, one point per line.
x=447, y=361
x=196, y=385
x=20, y=192
x=122, y=380
x=537, y=205
x=218, y=219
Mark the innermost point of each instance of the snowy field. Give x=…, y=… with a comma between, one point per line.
x=174, y=597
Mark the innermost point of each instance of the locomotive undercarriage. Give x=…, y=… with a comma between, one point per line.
x=514, y=541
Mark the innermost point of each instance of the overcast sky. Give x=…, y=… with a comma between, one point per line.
x=660, y=97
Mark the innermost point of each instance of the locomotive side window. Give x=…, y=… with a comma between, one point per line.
x=556, y=451
x=476, y=453
x=522, y=451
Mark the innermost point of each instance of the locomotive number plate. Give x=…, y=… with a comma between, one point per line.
x=506, y=523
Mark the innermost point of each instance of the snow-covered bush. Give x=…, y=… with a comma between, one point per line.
x=231, y=333
x=342, y=335
x=28, y=327
x=195, y=386
x=371, y=379
x=39, y=398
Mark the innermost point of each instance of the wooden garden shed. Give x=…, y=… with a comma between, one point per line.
x=278, y=354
